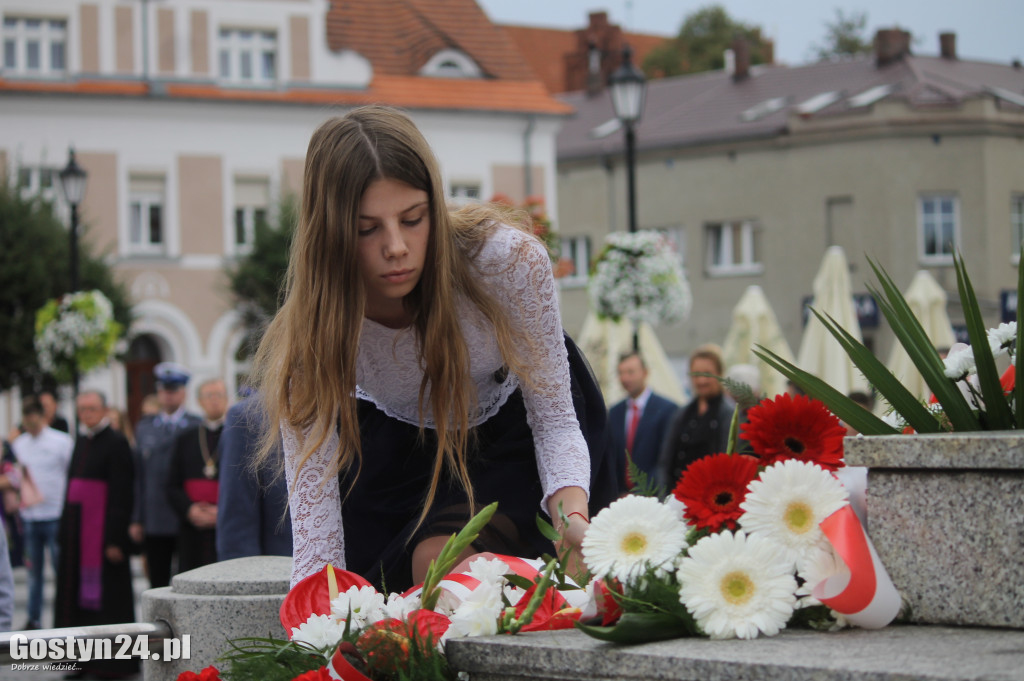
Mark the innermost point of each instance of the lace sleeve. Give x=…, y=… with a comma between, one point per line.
x=315, y=506
x=524, y=284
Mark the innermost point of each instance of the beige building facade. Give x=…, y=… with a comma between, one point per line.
x=192, y=120
x=755, y=176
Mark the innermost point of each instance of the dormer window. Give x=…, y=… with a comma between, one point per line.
x=451, y=64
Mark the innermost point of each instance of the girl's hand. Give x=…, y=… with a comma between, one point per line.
x=572, y=540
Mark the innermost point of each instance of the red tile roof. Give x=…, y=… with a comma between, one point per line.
x=399, y=36
x=409, y=92
x=547, y=50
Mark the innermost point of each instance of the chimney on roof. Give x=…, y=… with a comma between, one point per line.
x=741, y=56
x=891, y=45
x=595, y=77
x=947, y=45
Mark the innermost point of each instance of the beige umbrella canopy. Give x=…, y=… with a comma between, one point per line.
x=821, y=354
x=927, y=300
x=754, y=323
x=603, y=341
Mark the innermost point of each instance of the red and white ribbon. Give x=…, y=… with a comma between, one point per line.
x=866, y=596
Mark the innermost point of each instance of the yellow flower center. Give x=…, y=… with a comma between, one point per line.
x=634, y=543
x=737, y=588
x=798, y=517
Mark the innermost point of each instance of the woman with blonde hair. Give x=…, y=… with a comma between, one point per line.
x=418, y=368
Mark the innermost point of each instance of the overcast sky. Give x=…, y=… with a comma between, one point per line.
x=989, y=30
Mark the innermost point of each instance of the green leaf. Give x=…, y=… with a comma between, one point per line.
x=445, y=561
x=641, y=627
x=911, y=335
x=839, y=404
x=997, y=411
x=547, y=529
x=1018, y=386
x=919, y=418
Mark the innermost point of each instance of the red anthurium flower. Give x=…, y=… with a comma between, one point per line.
x=713, y=488
x=1009, y=379
x=608, y=607
x=310, y=597
x=553, y=612
x=427, y=624
x=795, y=428
x=314, y=675
x=211, y=673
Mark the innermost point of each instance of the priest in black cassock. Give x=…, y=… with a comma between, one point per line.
x=94, y=580
x=192, y=485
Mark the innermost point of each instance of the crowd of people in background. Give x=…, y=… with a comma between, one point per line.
x=175, y=489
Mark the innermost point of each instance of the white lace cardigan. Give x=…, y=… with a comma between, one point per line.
x=517, y=271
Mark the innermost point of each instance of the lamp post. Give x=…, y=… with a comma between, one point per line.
x=628, y=87
x=72, y=182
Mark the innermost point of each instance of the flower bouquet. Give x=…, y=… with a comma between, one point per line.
x=744, y=545
x=75, y=331
x=638, y=276
x=969, y=394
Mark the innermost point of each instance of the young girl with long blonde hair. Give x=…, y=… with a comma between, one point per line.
x=418, y=368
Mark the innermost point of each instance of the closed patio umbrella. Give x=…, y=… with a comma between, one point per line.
x=754, y=323
x=821, y=354
x=603, y=341
x=927, y=300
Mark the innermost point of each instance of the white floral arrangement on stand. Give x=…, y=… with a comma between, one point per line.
x=638, y=276
x=80, y=327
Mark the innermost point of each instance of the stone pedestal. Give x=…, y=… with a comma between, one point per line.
x=896, y=653
x=946, y=514
x=214, y=604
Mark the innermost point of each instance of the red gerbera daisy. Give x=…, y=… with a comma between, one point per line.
x=795, y=428
x=713, y=487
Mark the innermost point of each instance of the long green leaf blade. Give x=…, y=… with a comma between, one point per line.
x=640, y=627
x=839, y=404
x=997, y=411
x=1018, y=385
x=902, y=400
x=915, y=341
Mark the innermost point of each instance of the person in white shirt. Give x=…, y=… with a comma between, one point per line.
x=44, y=454
x=419, y=357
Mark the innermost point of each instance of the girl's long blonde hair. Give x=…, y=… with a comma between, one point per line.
x=305, y=367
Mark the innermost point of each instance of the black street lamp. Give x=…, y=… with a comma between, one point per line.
x=628, y=87
x=72, y=181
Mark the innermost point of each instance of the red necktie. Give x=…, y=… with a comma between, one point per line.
x=633, y=423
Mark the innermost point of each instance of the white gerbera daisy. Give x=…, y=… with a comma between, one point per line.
x=319, y=631
x=819, y=566
x=364, y=603
x=787, y=502
x=736, y=585
x=630, y=535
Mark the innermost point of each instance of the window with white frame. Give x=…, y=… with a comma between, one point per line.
x=35, y=46
x=461, y=192
x=575, y=250
x=733, y=248
x=38, y=182
x=252, y=198
x=248, y=56
x=1016, y=225
x=938, y=217
x=147, y=234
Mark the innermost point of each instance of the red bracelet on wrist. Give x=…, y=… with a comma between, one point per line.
x=585, y=518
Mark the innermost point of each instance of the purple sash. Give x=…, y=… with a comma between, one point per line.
x=91, y=495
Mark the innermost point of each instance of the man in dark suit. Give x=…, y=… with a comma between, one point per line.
x=638, y=423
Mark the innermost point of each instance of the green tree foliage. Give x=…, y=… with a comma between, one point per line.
x=34, y=267
x=844, y=37
x=701, y=44
x=257, y=280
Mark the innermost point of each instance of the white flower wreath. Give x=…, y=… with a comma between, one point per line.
x=639, y=276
